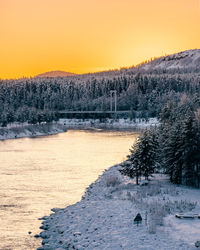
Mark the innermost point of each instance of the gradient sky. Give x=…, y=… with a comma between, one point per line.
x=92, y=35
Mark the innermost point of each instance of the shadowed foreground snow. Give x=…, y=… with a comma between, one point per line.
x=103, y=219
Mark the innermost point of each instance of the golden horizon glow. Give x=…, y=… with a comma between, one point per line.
x=82, y=36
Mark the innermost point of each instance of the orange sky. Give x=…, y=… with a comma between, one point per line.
x=91, y=35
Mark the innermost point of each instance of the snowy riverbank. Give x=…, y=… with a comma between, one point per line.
x=19, y=130
x=109, y=123
x=15, y=130
x=103, y=219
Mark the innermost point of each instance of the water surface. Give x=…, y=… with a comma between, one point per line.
x=37, y=174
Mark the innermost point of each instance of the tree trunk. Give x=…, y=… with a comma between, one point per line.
x=137, y=178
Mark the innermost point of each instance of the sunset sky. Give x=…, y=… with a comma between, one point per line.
x=92, y=35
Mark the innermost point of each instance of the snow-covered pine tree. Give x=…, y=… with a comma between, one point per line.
x=190, y=150
x=172, y=153
x=148, y=152
x=142, y=160
x=132, y=167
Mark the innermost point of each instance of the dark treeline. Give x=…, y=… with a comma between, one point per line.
x=173, y=147
x=38, y=99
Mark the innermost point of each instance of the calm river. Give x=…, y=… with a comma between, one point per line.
x=37, y=174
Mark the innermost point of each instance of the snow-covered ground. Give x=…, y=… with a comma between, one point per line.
x=109, y=123
x=18, y=130
x=104, y=218
x=185, y=59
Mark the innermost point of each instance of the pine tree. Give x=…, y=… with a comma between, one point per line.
x=142, y=160
x=148, y=153
x=173, y=161
x=190, y=149
x=131, y=167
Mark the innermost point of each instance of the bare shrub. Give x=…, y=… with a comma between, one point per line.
x=155, y=190
x=172, y=190
x=151, y=190
x=131, y=197
x=157, y=211
x=152, y=226
x=112, y=181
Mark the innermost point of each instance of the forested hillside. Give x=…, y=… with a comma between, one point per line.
x=143, y=91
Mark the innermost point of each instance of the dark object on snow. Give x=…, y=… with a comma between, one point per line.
x=138, y=219
x=37, y=236
x=187, y=216
x=197, y=243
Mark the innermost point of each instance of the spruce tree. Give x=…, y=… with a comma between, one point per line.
x=190, y=150
x=173, y=161
x=131, y=167
x=147, y=153
x=142, y=160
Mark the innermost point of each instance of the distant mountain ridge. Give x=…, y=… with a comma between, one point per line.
x=185, y=60
x=57, y=73
x=182, y=60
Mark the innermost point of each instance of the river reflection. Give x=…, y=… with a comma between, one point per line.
x=37, y=174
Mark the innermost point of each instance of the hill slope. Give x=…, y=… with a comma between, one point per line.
x=189, y=59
